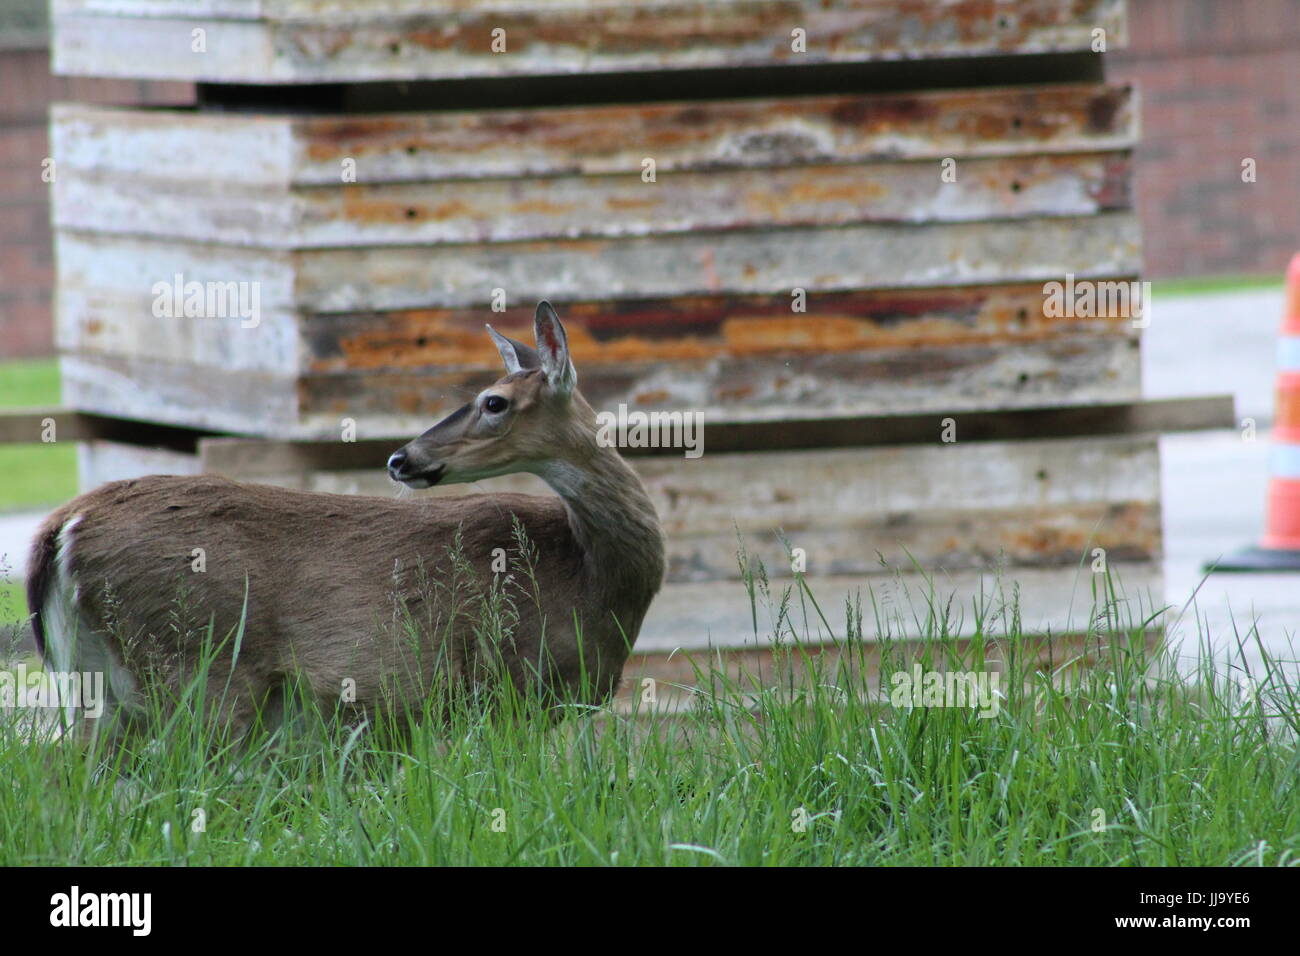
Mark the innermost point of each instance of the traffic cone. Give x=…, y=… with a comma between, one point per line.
x=1279, y=550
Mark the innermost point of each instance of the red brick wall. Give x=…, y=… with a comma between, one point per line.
x=1218, y=81
x=26, y=258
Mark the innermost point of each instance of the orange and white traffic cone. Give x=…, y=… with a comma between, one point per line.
x=1279, y=550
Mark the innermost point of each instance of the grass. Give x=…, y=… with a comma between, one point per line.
x=1214, y=285
x=13, y=603
x=1128, y=761
x=38, y=474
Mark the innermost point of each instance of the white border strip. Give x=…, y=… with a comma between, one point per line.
x=1285, y=461
x=1288, y=353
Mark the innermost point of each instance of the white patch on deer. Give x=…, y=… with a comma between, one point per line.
x=73, y=644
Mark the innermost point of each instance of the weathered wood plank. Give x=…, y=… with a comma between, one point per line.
x=345, y=10
x=700, y=615
x=866, y=256
x=682, y=328
x=903, y=350
x=1072, y=369
x=1028, y=504
x=1068, y=369
x=851, y=511
x=246, y=403
x=250, y=151
x=954, y=540
x=95, y=324
x=749, y=262
x=864, y=479
x=595, y=206
x=455, y=40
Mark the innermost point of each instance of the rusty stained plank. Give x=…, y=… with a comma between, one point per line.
x=759, y=388
x=426, y=344
x=246, y=151
x=349, y=10
x=369, y=44
x=596, y=206
x=1068, y=370
x=769, y=389
x=699, y=327
x=941, y=539
x=746, y=262
x=743, y=262
x=328, y=10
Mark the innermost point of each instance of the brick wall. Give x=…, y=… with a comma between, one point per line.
x=26, y=257
x=1219, y=82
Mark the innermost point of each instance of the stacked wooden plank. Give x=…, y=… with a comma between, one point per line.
x=919, y=293
x=267, y=42
x=759, y=259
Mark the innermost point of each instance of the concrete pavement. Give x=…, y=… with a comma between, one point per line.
x=1214, y=483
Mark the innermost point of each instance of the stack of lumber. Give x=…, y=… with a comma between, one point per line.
x=726, y=225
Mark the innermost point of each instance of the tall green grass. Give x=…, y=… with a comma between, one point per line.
x=1110, y=757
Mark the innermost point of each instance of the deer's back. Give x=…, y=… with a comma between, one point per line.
x=327, y=577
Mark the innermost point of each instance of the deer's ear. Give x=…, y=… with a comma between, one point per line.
x=553, y=349
x=516, y=355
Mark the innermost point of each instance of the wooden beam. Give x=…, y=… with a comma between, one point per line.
x=33, y=425
x=1159, y=416
x=260, y=456
x=253, y=151
x=745, y=262
x=301, y=41
x=607, y=206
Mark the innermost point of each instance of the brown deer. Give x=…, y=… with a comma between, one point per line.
x=321, y=580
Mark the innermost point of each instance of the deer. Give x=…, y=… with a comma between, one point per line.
x=314, y=581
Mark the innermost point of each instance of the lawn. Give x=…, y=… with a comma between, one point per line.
x=32, y=476
x=35, y=475
x=1216, y=285
x=1126, y=762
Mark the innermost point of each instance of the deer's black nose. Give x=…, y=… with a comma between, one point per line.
x=396, y=462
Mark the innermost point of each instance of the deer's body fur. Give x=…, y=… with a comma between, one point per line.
x=329, y=584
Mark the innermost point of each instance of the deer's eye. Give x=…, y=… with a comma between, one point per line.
x=495, y=404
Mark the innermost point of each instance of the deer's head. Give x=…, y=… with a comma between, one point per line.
x=520, y=422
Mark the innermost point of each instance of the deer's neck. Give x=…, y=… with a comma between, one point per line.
x=614, y=522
